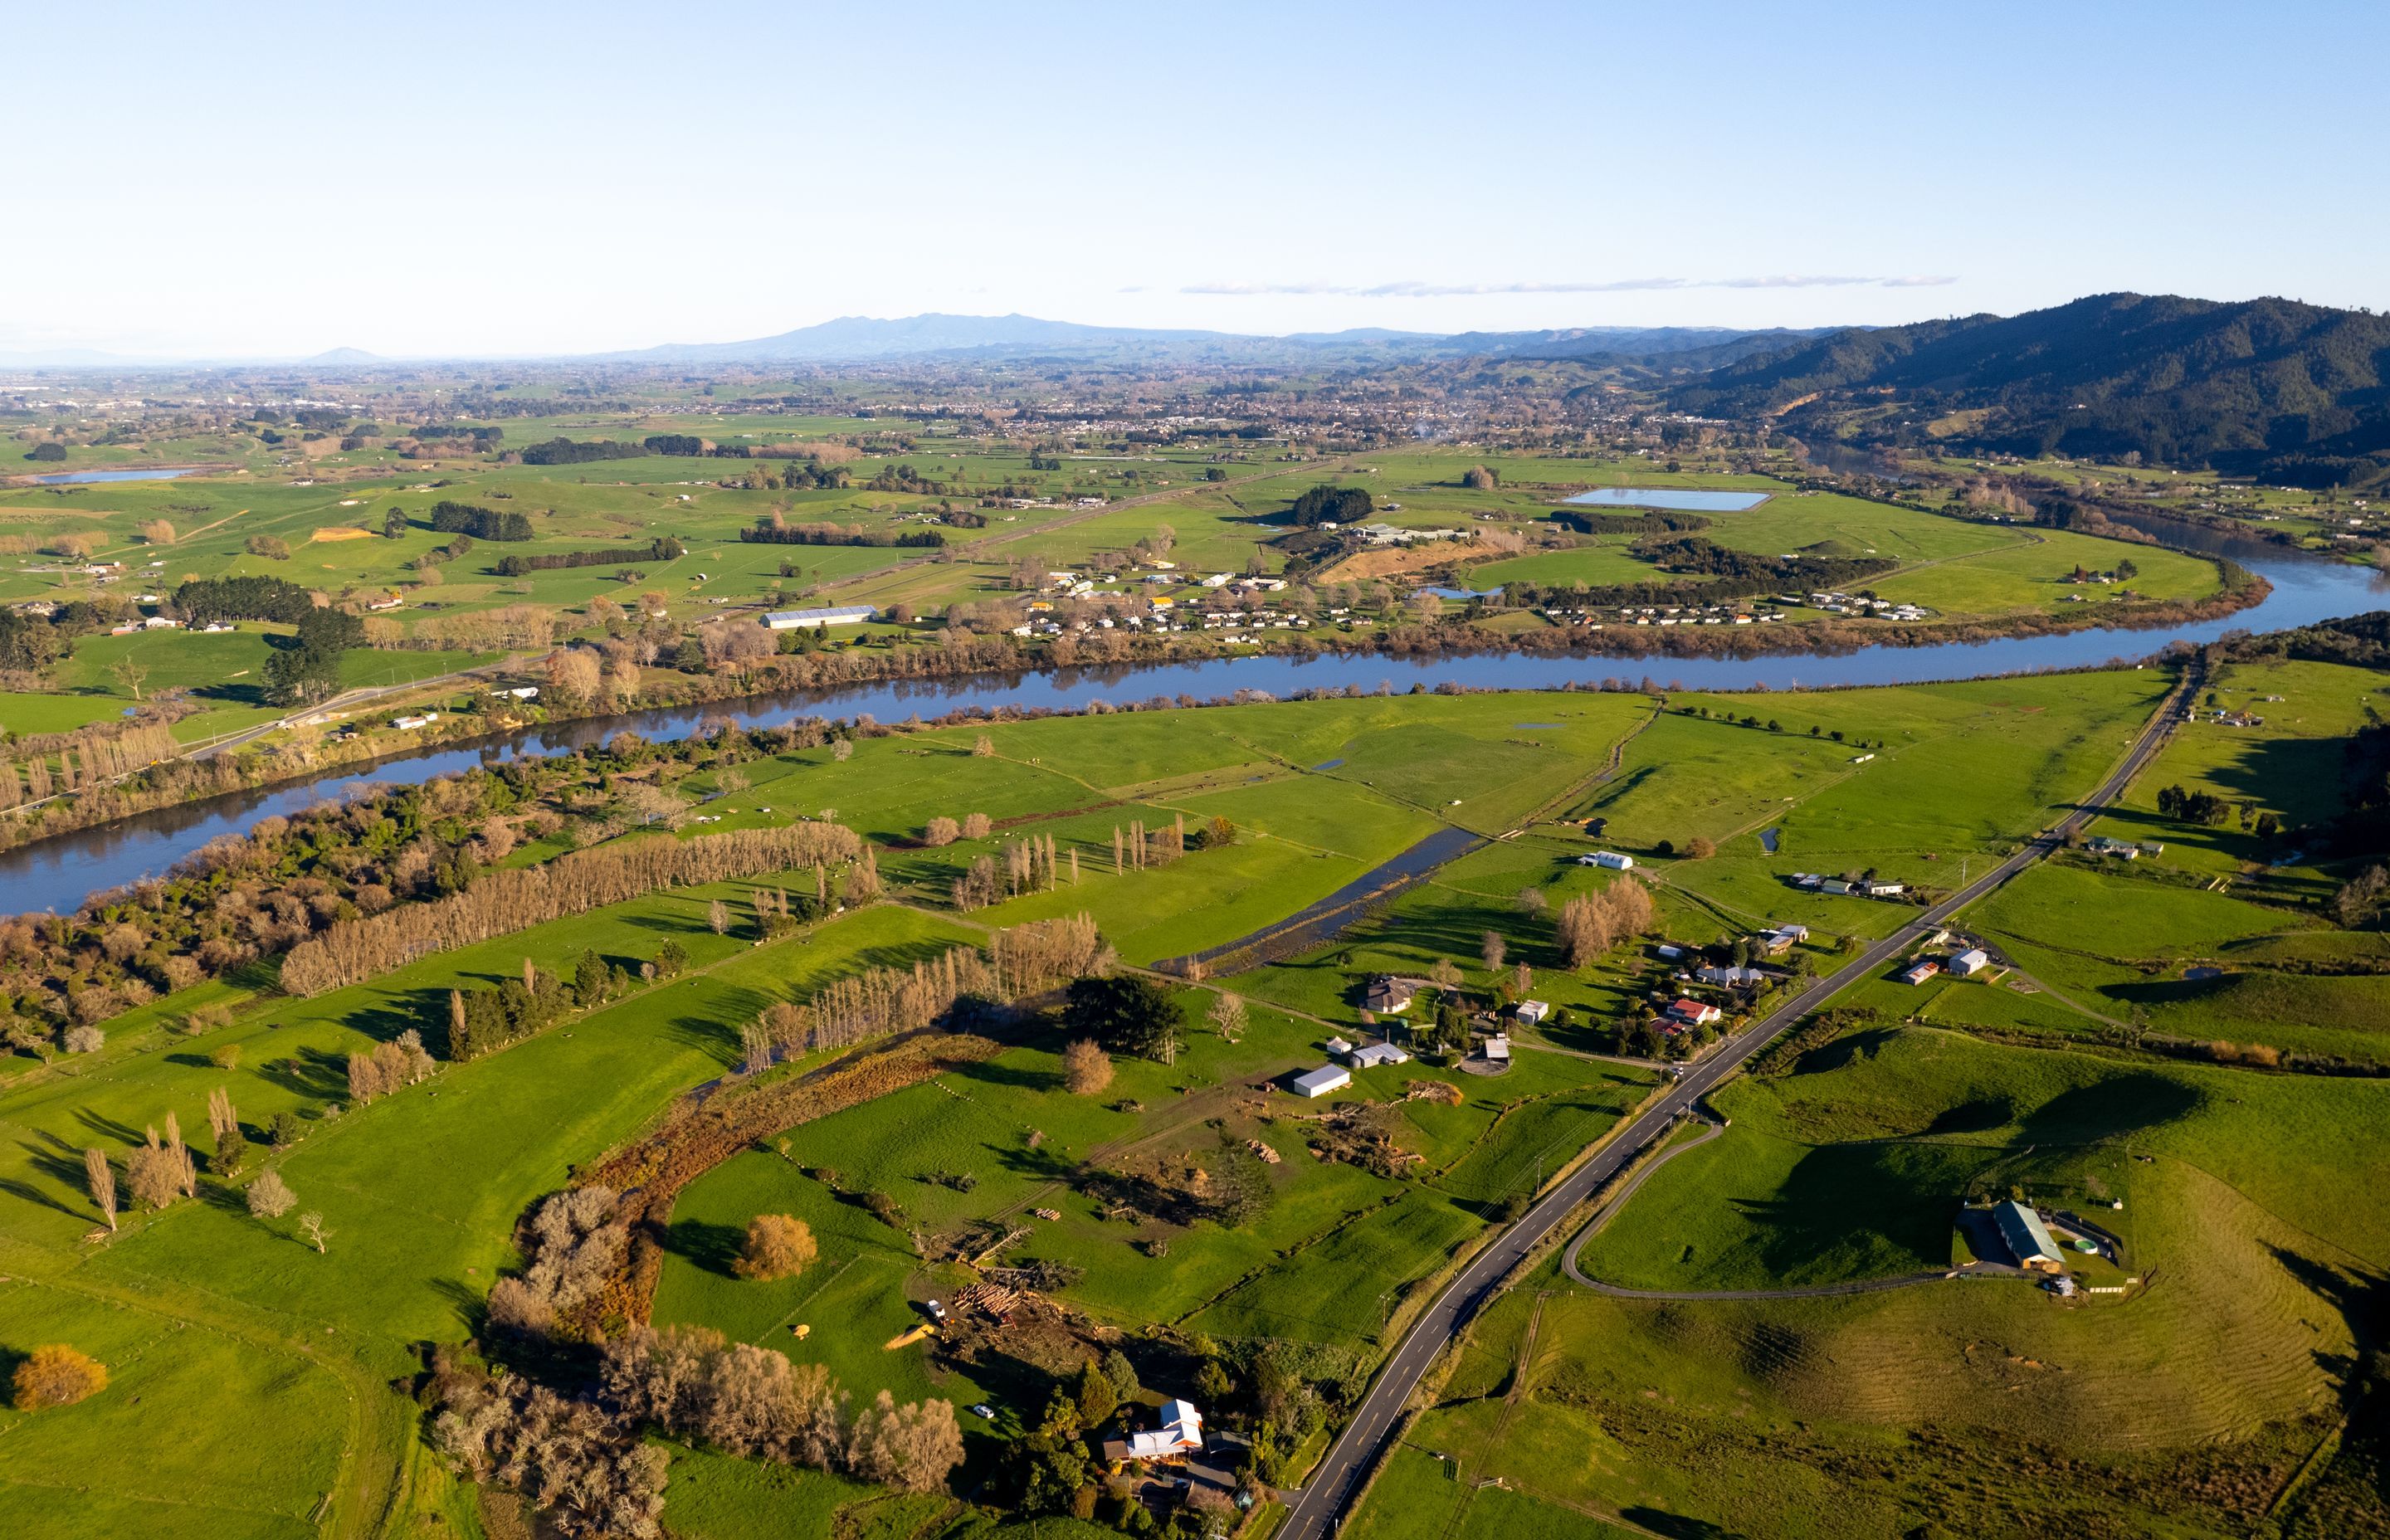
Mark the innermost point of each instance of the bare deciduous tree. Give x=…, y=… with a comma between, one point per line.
x=1227, y=1016
x=1086, y=1069
x=912, y=1447
x=100, y=1179
x=310, y=1225
x=1492, y=949
x=153, y=1173
x=270, y=1196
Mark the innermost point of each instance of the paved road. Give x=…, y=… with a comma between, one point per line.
x=1319, y=1508
x=348, y=700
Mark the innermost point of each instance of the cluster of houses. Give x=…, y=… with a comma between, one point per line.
x=1864, y=887
x=1331, y=1078
x=1395, y=535
x=1236, y=626
x=2124, y=849
x=1594, y=619
x=1861, y=608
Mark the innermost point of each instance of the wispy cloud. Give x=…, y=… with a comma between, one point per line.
x=1415, y=290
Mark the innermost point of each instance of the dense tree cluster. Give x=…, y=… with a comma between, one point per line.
x=305, y=667
x=468, y=518
x=563, y=451
x=481, y=1019
x=773, y=530
x=204, y=601
x=1125, y=1014
x=1334, y=505
x=29, y=642
x=480, y=438
x=661, y=549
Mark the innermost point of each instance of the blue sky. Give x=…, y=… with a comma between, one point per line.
x=432, y=179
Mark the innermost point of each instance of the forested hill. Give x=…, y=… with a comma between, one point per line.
x=2283, y=391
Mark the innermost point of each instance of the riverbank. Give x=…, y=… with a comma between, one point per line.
x=825, y=673
x=55, y=866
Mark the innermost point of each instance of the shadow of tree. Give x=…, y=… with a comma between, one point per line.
x=2362, y=1298
x=1676, y=1526
x=1014, y=1076
x=2119, y=1104
x=712, y=1246
x=316, y=1072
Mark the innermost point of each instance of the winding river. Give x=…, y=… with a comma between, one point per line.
x=56, y=873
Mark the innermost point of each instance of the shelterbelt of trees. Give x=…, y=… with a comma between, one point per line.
x=330, y=871
x=351, y=951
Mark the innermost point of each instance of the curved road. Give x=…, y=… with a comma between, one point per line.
x=1319, y=1507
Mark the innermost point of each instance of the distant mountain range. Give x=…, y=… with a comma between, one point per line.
x=862, y=338
x=2269, y=387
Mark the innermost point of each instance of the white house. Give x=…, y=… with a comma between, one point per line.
x=1181, y=1434
x=1532, y=1012
x=409, y=724
x=813, y=620
x=1326, y=1078
x=1731, y=977
x=1970, y=962
x=1375, y=1054
x=1609, y=858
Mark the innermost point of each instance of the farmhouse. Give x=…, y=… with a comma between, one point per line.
x=1971, y=962
x=1920, y=970
x=2027, y=1237
x=1693, y=1013
x=1326, y=1078
x=1609, y=858
x=1732, y=978
x=813, y=620
x=1387, y=996
x=1181, y=1434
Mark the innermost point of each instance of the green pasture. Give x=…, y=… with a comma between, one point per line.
x=1797, y=1417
